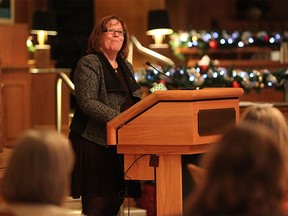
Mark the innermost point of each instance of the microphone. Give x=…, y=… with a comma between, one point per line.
x=176, y=80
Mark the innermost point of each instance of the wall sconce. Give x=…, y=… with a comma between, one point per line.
x=43, y=24
x=158, y=27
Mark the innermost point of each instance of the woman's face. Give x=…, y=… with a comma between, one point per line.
x=112, y=39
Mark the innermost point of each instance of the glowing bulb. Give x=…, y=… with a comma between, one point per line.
x=272, y=40
x=251, y=40
x=222, y=41
x=240, y=44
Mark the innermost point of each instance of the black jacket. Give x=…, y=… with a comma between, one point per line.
x=99, y=95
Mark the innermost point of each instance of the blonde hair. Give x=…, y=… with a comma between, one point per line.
x=39, y=169
x=273, y=119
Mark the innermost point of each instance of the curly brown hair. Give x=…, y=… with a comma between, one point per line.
x=99, y=28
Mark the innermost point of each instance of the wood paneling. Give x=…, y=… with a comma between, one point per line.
x=1, y=110
x=28, y=100
x=15, y=81
x=187, y=15
x=43, y=102
x=13, y=48
x=16, y=103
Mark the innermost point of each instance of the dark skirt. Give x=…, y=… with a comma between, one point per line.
x=98, y=170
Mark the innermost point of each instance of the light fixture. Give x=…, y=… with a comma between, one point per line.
x=43, y=24
x=158, y=27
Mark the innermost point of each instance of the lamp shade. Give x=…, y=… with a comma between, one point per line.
x=158, y=19
x=44, y=21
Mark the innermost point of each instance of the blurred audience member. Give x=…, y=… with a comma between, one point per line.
x=275, y=121
x=37, y=178
x=245, y=175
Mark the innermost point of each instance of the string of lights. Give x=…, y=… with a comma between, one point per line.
x=213, y=76
x=205, y=40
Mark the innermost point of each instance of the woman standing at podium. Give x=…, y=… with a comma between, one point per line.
x=104, y=87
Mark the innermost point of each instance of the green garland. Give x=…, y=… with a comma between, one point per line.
x=212, y=76
x=205, y=40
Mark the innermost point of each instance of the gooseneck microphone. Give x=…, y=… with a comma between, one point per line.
x=176, y=80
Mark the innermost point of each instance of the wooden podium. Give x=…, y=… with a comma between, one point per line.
x=155, y=132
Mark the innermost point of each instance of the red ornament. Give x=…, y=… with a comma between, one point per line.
x=213, y=44
x=266, y=38
x=235, y=84
x=203, y=68
x=162, y=81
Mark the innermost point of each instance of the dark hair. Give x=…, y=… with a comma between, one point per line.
x=99, y=28
x=245, y=175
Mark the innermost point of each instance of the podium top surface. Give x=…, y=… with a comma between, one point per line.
x=206, y=93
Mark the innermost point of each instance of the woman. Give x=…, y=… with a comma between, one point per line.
x=104, y=87
x=245, y=174
x=273, y=119
x=37, y=178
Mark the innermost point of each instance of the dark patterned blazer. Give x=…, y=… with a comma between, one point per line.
x=99, y=95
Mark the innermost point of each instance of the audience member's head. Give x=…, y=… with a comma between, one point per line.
x=272, y=118
x=39, y=169
x=245, y=175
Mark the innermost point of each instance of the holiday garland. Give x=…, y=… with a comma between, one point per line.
x=205, y=40
x=213, y=76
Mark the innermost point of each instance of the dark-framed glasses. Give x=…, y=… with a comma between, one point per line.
x=113, y=31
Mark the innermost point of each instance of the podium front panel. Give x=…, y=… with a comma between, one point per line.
x=176, y=123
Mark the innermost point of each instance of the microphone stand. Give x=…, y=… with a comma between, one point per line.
x=176, y=80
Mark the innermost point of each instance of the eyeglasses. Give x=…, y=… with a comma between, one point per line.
x=113, y=31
